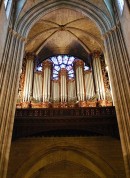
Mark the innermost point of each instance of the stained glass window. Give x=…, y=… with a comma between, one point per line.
x=120, y=5
x=6, y=3
x=60, y=62
x=63, y=61
x=39, y=67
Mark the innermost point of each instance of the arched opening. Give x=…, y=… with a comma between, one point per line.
x=58, y=161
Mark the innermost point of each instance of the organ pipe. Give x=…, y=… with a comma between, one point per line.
x=47, y=65
x=63, y=85
x=55, y=91
x=37, y=86
x=79, y=64
x=28, y=78
x=98, y=77
x=71, y=90
x=63, y=89
x=89, y=84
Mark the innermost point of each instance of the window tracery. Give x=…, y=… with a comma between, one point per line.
x=60, y=62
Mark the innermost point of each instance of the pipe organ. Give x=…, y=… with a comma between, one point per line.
x=47, y=65
x=63, y=85
x=79, y=67
x=37, y=86
x=63, y=81
x=89, y=84
x=28, y=79
x=100, y=90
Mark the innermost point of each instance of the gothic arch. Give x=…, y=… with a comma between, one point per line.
x=30, y=18
x=57, y=154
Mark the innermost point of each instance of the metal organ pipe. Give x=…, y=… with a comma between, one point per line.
x=98, y=77
x=37, y=86
x=63, y=75
x=28, y=79
x=79, y=64
x=71, y=90
x=47, y=65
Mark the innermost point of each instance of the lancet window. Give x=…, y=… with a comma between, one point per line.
x=120, y=5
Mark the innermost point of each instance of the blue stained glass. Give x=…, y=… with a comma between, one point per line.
x=65, y=59
x=55, y=72
x=71, y=60
x=39, y=68
x=71, y=72
x=62, y=65
x=56, y=78
x=121, y=5
x=86, y=68
x=6, y=2
x=59, y=59
x=54, y=75
x=69, y=68
x=57, y=68
x=71, y=76
x=54, y=60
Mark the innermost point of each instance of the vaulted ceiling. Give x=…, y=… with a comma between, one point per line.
x=64, y=31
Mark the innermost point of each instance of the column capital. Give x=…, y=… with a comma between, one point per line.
x=110, y=31
x=17, y=34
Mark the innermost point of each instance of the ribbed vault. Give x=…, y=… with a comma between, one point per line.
x=62, y=27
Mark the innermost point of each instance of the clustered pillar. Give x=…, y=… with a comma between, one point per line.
x=11, y=64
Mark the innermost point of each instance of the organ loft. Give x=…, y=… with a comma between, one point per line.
x=64, y=81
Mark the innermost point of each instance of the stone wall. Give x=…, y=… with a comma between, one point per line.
x=65, y=157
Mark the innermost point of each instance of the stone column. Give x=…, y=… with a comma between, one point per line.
x=9, y=81
x=119, y=69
